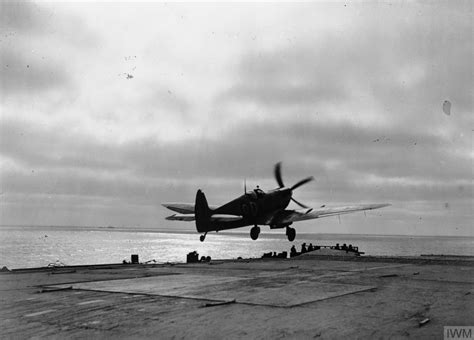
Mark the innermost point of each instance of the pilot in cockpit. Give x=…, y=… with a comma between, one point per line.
x=259, y=192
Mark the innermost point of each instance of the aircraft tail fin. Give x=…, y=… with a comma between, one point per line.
x=202, y=213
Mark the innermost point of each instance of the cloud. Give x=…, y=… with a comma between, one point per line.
x=31, y=20
x=343, y=157
x=38, y=49
x=286, y=77
x=368, y=72
x=22, y=73
x=352, y=95
x=21, y=16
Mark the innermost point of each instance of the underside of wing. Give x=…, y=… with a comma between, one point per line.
x=181, y=217
x=308, y=214
x=213, y=218
x=183, y=208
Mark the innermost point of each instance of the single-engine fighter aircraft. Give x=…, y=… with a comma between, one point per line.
x=256, y=207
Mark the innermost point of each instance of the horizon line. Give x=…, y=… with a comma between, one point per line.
x=230, y=231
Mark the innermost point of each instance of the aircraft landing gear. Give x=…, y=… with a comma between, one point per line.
x=254, y=232
x=290, y=233
x=202, y=237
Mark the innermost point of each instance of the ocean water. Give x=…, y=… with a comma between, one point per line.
x=22, y=247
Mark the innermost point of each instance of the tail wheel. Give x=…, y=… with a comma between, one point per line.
x=254, y=232
x=290, y=233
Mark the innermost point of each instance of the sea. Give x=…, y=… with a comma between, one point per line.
x=40, y=246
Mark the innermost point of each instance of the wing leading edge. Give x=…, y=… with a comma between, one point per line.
x=308, y=214
x=184, y=208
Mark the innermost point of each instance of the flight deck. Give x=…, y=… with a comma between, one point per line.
x=304, y=297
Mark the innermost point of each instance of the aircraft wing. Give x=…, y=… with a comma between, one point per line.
x=308, y=214
x=181, y=217
x=214, y=218
x=183, y=208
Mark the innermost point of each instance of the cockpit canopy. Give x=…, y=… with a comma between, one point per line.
x=256, y=193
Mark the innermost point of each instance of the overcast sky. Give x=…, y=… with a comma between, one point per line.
x=108, y=110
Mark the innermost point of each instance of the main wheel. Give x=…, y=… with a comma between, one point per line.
x=290, y=233
x=202, y=237
x=254, y=232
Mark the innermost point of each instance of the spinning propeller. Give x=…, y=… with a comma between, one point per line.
x=297, y=185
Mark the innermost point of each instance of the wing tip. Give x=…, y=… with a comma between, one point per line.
x=170, y=218
x=168, y=204
x=378, y=206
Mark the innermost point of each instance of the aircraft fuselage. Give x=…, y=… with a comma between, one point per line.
x=256, y=207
